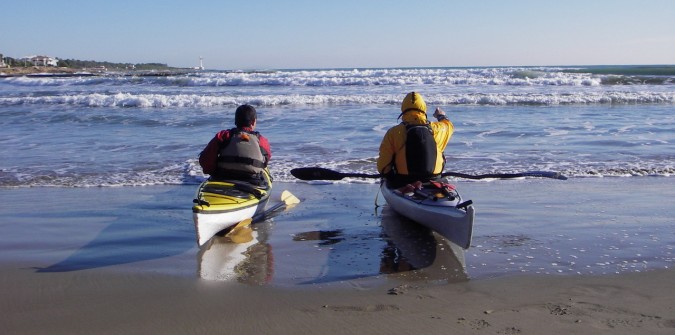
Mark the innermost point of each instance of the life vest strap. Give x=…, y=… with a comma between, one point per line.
x=243, y=160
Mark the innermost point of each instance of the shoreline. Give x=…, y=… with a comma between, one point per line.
x=37, y=70
x=56, y=72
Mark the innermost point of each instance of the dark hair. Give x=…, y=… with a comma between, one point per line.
x=244, y=116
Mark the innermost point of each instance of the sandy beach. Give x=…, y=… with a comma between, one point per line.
x=124, y=261
x=99, y=302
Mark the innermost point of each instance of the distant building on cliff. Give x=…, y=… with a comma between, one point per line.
x=41, y=60
x=2, y=61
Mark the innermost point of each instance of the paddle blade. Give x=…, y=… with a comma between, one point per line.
x=289, y=199
x=242, y=223
x=540, y=174
x=545, y=174
x=316, y=173
x=240, y=235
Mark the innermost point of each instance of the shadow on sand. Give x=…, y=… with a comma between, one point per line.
x=145, y=230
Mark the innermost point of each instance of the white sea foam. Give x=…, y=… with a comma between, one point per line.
x=356, y=77
x=201, y=100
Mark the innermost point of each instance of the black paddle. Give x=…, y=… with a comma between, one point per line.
x=317, y=173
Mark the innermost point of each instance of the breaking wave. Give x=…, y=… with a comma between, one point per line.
x=203, y=101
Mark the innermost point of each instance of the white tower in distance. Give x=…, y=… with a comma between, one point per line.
x=201, y=64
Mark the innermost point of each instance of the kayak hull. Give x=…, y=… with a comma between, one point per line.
x=220, y=205
x=209, y=224
x=438, y=214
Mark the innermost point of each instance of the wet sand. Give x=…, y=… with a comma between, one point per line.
x=124, y=260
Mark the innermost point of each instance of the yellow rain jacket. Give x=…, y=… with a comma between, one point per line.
x=393, y=149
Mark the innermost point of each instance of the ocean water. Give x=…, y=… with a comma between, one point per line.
x=602, y=123
x=121, y=130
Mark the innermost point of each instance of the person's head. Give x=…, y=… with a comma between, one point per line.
x=245, y=116
x=413, y=106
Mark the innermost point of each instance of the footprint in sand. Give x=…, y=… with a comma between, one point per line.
x=558, y=309
x=475, y=324
x=667, y=323
x=479, y=324
x=607, y=317
x=510, y=331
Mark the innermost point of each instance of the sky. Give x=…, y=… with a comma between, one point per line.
x=294, y=34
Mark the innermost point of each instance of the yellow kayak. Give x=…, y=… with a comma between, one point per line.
x=221, y=204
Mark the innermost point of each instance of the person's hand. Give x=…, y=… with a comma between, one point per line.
x=438, y=113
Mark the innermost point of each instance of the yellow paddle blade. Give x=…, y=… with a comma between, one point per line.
x=242, y=223
x=236, y=229
x=240, y=234
x=289, y=199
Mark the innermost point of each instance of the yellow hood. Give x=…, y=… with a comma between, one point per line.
x=414, y=117
x=413, y=109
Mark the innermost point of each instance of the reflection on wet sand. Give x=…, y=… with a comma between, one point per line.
x=398, y=248
x=243, y=256
x=326, y=237
x=418, y=253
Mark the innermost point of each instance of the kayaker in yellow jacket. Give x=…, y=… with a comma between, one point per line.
x=413, y=150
